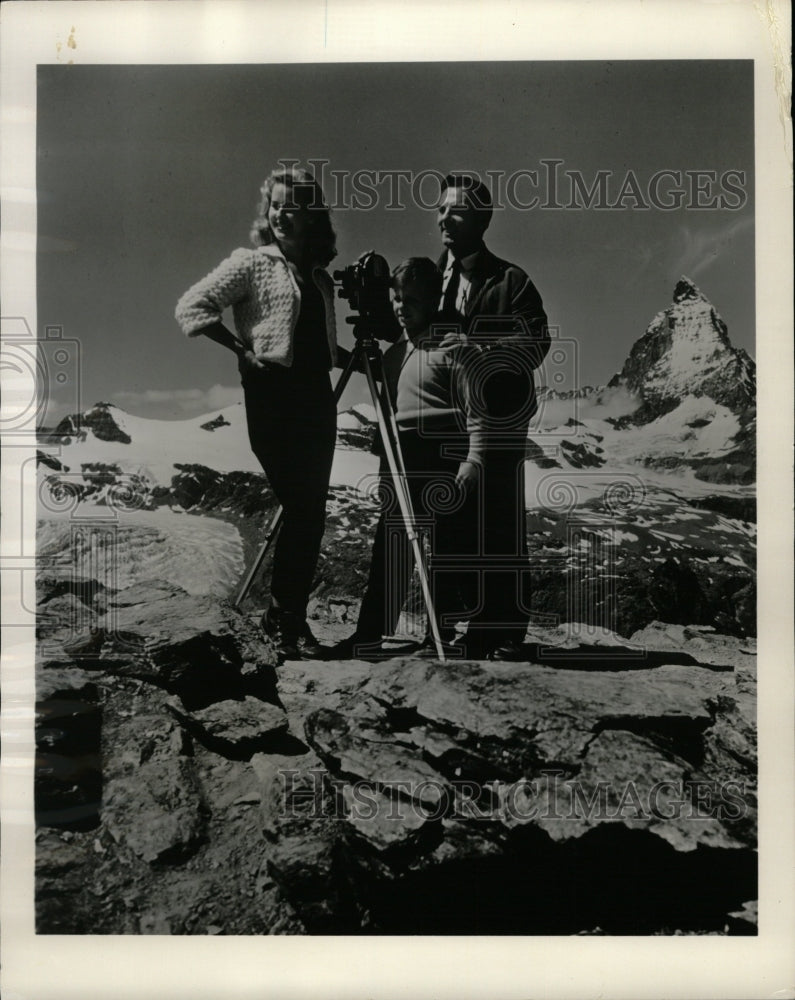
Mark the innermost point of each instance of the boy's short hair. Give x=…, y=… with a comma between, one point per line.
x=421, y=271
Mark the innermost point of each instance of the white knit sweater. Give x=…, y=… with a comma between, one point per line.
x=265, y=299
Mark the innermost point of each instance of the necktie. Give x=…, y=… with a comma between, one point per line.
x=451, y=291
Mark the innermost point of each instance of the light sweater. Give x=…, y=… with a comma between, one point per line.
x=435, y=397
x=265, y=299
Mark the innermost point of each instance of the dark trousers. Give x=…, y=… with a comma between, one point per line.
x=502, y=599
x=292, y=429
x=501, y=602
x=451, y=522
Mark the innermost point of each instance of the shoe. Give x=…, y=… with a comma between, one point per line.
x=473, y=647
x=427, y=650
x=276, y=624
x=291, y=635
x=308, y=646
x=507, y=651
x=356, y=647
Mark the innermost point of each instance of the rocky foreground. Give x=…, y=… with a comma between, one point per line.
x=187, y=784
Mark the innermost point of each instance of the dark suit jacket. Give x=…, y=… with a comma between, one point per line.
x=503, y=310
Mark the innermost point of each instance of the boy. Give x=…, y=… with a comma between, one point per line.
x=442, y=439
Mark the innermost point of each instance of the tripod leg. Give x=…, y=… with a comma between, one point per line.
x=386, y=406
x=273, y=528
x=345, y=378
x=397, y=469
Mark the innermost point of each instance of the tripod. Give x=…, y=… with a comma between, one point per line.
x=366, y=356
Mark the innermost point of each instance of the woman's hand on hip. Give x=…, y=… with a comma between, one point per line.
x=468, y=477
x=249, y=362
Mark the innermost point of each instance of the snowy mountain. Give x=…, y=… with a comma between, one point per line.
x=686, y=351
x=683, y=405
x=105, y=437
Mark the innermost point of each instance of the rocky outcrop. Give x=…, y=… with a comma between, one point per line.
x=545, y=393
x=194, y=647
x=98, y=419
x=475, y=787
x=245, y=494
x=739, y=508
x=737, y=465
x=357, y=427
x=152, y=801
x=583, y=455
x=50, y=462
x=625, y=574
x=223, y=793
x=215, y=423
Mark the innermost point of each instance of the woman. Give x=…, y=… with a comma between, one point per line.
x=283, y=306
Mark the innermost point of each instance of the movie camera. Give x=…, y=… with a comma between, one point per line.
x=365, y=284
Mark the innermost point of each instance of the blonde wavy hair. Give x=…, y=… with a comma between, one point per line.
x=322, y=238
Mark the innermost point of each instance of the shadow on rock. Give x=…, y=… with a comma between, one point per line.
x=617, y=880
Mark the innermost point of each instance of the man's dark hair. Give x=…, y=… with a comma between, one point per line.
x=479, y=194
x=419, y=271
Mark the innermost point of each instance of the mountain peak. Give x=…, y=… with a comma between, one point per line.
x=687, y=290
x=686, y=351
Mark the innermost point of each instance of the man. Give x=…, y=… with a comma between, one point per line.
x=499, y=310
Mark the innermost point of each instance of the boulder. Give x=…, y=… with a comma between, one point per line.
x=300, y=819
x=68, y=775
x=193, y=646
x=152, y=802
x=236, y=728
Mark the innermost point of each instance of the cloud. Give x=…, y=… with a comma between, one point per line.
x=186, y=402
x=689, y=250
x=699, y=250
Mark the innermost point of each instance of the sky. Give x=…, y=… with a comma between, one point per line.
x=147, y=177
